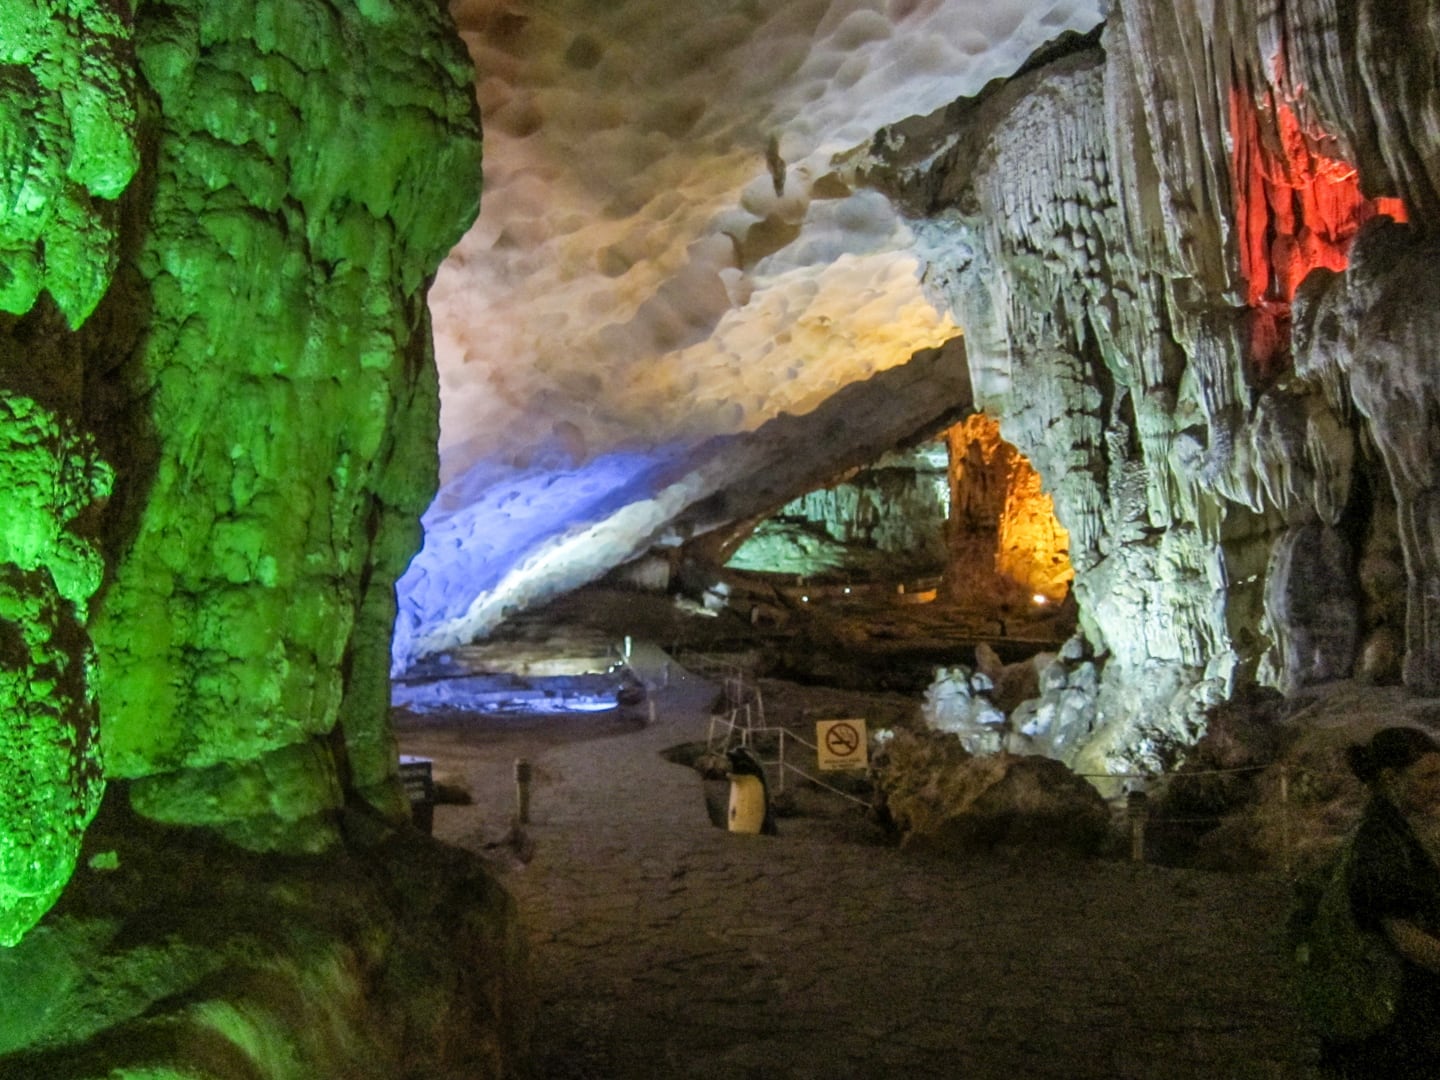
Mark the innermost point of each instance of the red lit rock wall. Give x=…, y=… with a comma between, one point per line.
x=1296, y=210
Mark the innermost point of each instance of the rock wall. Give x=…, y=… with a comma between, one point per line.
x=886, y=520
x=218, y=398
x=1005, y=546
x=67, y=128
x=276, y=427
x=1121, y=231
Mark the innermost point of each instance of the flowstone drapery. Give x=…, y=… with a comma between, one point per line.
x=313, y=166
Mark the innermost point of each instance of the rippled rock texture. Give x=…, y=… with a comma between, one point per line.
x=218, y=397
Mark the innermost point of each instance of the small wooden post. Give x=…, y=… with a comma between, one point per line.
x=1138, y=809
x=1285, y=818
x=523, y=775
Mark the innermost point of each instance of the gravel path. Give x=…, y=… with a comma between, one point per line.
x=664, y=947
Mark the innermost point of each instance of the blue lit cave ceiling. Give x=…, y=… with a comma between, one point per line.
x=673, y=278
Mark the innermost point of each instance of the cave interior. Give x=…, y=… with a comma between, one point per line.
x=1087, y=330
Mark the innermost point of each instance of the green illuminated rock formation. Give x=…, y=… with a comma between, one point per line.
x=885, y=520
x=260, y=379
x=218, y=224
x=67, y=120
x=67, y=151
x=49, y=770
x=313, y=166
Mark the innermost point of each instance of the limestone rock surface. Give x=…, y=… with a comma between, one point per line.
x=68, y=150
x=1122, y=231
x=947, y=800
x=276, y=429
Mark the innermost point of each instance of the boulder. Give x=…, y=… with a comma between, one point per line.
x=947, y=800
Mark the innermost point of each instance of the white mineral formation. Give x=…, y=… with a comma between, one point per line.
x=700, y=225
x=665, y=254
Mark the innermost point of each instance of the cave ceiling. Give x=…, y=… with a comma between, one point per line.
x=666, y=261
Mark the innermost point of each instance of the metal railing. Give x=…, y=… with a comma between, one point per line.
x=743, y=723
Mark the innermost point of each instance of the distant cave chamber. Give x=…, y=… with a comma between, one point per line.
x=964, y=514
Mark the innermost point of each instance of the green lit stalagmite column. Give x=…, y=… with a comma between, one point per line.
x=313, y=164
x=67, y=152
x=49, y=773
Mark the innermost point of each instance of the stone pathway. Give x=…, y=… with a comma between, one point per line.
x=664, y=947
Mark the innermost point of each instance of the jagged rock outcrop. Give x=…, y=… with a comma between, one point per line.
x=944, y=799
x=1120, y=231
x=50, y=778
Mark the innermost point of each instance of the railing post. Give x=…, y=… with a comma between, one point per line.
x=523, y=774
x=1137, y=807
x=1286, y=860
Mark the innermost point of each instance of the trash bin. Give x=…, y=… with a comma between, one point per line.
x=750, y=810
x=417, y=777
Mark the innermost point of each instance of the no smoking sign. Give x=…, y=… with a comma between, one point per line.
x=842, y=744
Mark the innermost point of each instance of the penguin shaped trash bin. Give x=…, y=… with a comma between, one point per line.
x=750, y=810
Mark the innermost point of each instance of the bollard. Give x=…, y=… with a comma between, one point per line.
x=522, y=791
x=1138, y=809
x=1285, y=818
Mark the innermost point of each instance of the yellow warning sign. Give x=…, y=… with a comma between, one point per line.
x=842, y=744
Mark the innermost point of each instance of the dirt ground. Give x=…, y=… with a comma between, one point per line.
x=664, y=947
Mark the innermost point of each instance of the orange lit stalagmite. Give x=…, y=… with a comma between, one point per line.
x=1006, y=545
x=1034, y=546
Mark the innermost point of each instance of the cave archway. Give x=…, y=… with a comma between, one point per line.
x=960, y=517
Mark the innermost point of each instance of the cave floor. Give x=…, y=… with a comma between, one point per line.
x=665, y=947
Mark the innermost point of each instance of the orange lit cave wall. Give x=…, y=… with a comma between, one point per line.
x=1296, y=209
x=1005, y=543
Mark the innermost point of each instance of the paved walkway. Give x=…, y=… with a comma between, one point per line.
x=664, y=947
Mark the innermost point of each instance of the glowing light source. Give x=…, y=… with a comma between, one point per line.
x=1005, y=534
x=1040, y=599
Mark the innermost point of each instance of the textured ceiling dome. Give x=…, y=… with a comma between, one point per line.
x=667, y=252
